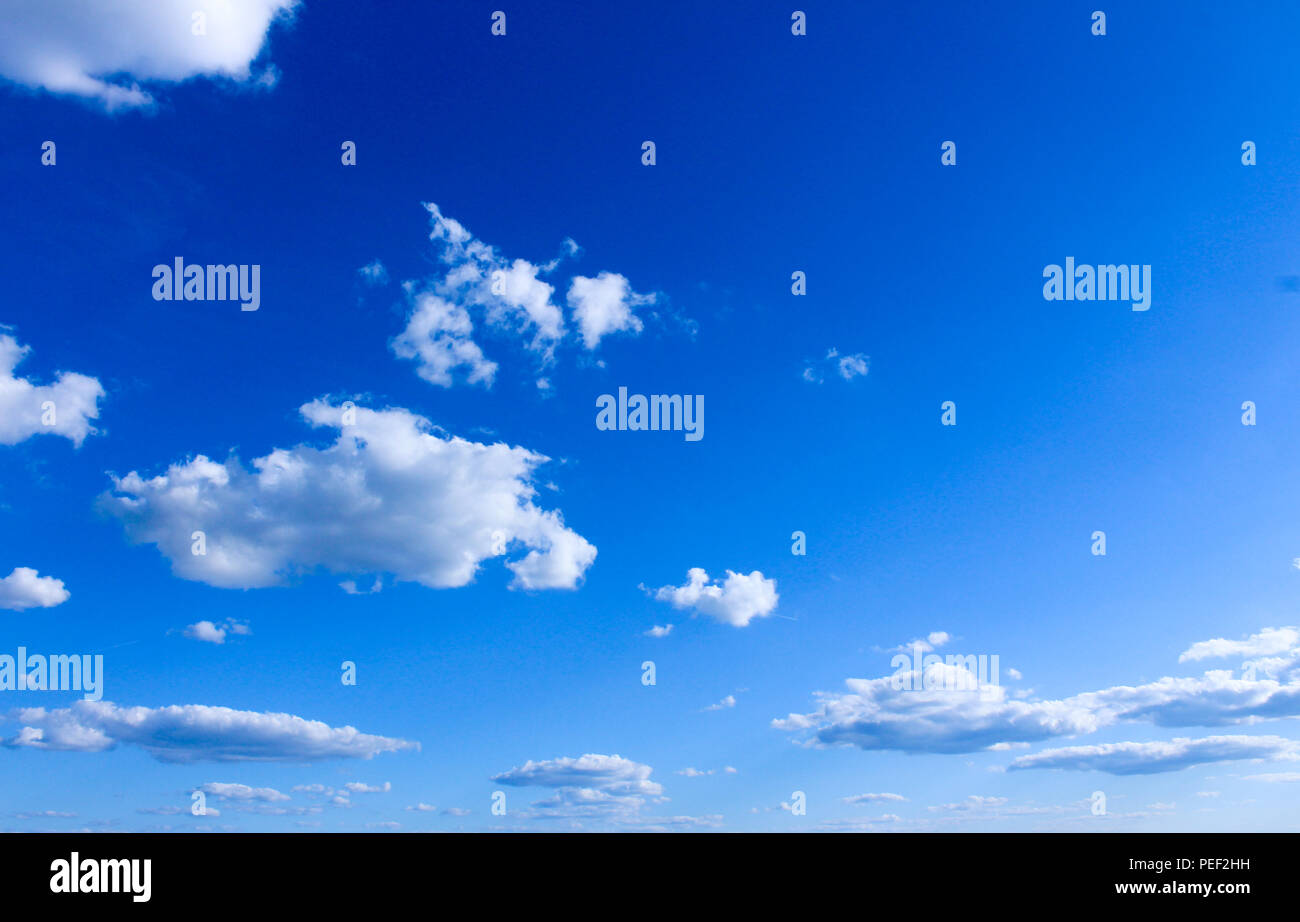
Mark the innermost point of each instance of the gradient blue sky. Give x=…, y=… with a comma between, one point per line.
x=776, y=153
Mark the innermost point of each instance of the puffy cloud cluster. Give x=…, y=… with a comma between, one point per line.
x=101, y=51
x=482, y=289
x=64, y=408
x=598, y=786
x=958, y=713
x=25, y=588
x=736, y=600
x=390, y=495
x=194, y=733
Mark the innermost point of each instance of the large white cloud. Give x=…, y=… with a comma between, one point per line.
x=736, y=600
x=1150, y=758
x=64, y=408
x=390, y=495
x=25, y=588
x=103, y=49
x=953, y=717
x=195, y=732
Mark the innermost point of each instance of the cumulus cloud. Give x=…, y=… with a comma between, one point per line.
x=659, y=630
x=877, y=714
x=64, y=408
x=737, y=600
x=846, y=367
x=194, y=733
x=227, y=791
x=959, y=714
x=1164, y=756
x=597, y=786
x=360, y=787
x=605, y=305
x=1268, y=642
x=209, y=632
x=103, y=51
x=389, y=495
x=482, y=292
x=25, y=588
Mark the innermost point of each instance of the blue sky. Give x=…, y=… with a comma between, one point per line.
x=1163, y=674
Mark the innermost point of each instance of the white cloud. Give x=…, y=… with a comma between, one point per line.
x=858, y=799
x=24, y=588
x=64, y=408
x=359, y=787
x=1268, y=642
x=195, y=732
x=439, y=337
x=206, y=631
x=483, y=292
x=727, y=702
x=102, y=50
x=242, y=792
x=389, y=495
x=605, y=305
x=1150, y=758
x=847, y=367
x=659, y=630
x=592, y=786
x=928, y=644
x=737, y=600
x=422, y=808
x=508, y=295
x=953, y=717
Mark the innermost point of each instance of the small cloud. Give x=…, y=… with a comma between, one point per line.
x=422, y=808
x=209, y=632
x=727, y=702
x=350, y=587
x=858, y=799
x=24, y=588
x=736, y=600
x=356, y=787
x=374, y=273
x=659, y=630
x=846, y=367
